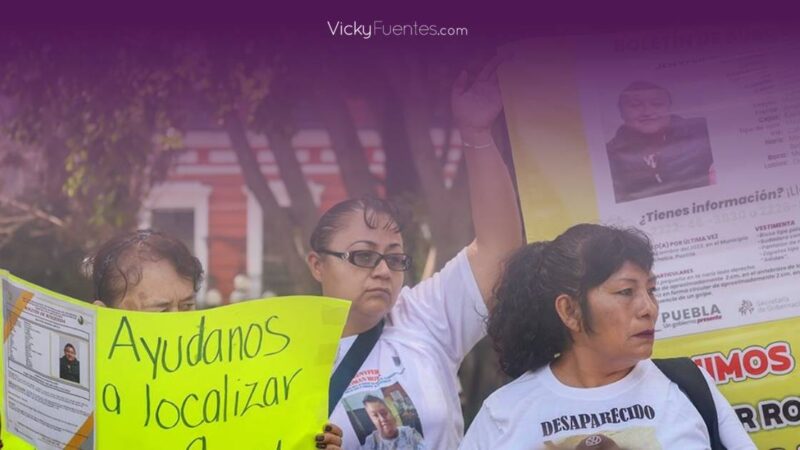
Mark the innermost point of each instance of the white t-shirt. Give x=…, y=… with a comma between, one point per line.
x=643, y=411
x=407, y=438
x=413, y=366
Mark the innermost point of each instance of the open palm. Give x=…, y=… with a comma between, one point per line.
x=477, y=106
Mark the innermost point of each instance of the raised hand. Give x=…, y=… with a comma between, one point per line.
x=476, y=106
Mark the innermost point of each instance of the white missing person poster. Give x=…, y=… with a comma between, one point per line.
x=695, y=139
x=48, y=369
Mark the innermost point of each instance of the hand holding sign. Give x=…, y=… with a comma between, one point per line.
x=331, y=439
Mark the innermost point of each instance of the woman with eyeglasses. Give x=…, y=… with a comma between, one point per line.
x=422, y=332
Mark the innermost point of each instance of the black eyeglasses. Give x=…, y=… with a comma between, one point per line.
x=399, y=262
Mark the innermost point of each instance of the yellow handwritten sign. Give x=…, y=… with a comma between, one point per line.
x=247, y=376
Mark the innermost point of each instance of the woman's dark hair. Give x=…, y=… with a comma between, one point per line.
x=372, y=207
x=117, y=265
x=69, y=346
x=524, y=325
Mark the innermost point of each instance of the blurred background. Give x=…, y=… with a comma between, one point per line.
x=235, y=139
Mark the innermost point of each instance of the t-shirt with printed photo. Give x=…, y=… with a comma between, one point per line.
x=405, y=395
x=642, y=411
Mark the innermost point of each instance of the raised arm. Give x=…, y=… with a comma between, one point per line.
x=495, y=215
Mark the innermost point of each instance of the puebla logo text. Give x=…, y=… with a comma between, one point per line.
x=692, y=315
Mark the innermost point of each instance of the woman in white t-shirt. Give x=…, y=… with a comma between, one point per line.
x=428, y=329
x=574, y=321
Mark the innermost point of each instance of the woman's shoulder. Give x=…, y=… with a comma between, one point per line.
x=526, y=385
x=508, y=404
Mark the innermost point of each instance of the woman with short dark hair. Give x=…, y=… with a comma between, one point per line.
x=574, y=323
x=145, y=270
x=423, y=332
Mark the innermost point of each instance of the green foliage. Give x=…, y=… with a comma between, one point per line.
x=102, y=117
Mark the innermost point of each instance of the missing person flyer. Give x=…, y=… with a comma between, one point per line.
x=48, y=371
x=80, y=376
x=692, y=136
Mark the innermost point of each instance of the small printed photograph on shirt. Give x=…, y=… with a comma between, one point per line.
x=638, y=438
x=66, y=356
x=654, y=146
x=385, y=418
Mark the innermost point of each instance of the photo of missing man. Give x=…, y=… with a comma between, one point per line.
x=654, y=151
x=385, y=419
x=635, y=438
x=598, y=442
x=69, y=366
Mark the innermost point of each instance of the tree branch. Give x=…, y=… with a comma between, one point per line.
x=36, y=212
x=350, y=154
